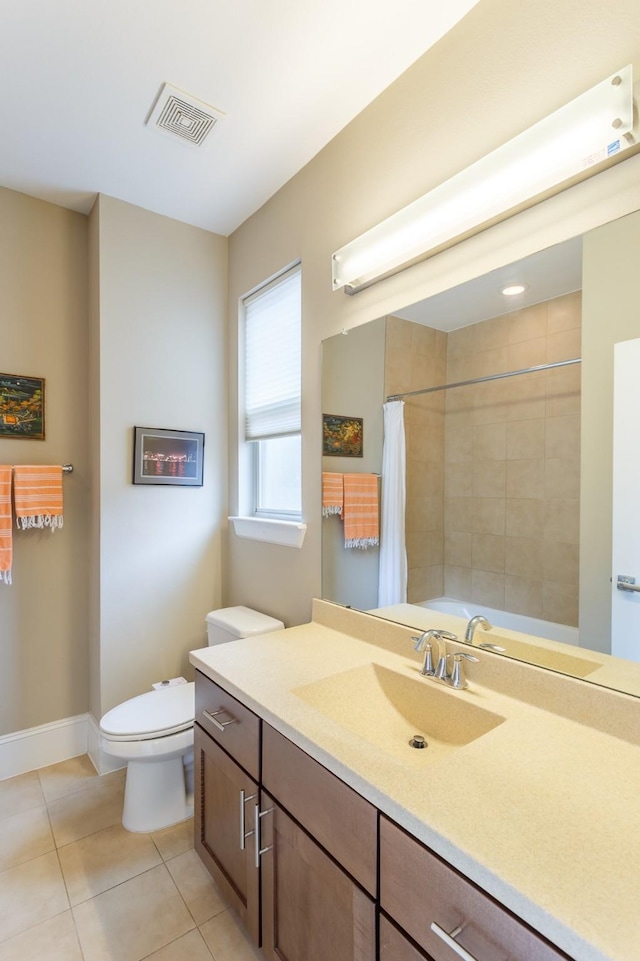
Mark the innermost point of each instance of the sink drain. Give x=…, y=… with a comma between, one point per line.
x=418, y=741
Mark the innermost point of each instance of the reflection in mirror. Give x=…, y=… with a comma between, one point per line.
x=493, y=467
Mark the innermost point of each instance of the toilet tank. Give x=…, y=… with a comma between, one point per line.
x=230, y=623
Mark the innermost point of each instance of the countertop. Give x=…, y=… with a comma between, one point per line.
x=542, y=812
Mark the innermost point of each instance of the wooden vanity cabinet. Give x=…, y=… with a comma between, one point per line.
x=328, y=861
x=225, y=798
x=420, y=891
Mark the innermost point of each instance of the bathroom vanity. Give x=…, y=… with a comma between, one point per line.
x=331, y=837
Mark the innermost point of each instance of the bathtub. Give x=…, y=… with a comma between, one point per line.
x=512, y=622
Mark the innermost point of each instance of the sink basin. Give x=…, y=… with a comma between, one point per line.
x=387, y=708
x=544, y=656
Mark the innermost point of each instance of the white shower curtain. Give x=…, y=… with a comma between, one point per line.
x=392, y=578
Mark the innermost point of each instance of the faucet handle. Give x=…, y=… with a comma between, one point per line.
x=457, y=678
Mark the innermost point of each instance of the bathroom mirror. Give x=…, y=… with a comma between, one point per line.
x=493, y=468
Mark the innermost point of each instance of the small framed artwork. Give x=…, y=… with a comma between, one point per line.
x=21, y=407
x=174, y=457
x=341, y=436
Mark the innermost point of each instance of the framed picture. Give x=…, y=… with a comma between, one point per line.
x=341, y=436
x=173, y=457
x=21, y=406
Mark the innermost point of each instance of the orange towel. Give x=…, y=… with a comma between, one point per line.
x=6, y=552
x=332, y=493
x=37, y=492
x=360, y=513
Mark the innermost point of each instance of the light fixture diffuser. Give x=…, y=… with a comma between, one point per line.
x=573, y=143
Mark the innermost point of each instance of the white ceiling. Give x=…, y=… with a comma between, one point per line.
x=80, y=78
x=546, y=274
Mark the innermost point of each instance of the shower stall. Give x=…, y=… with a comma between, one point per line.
x=492, y=423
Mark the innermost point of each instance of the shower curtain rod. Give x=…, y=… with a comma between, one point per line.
x=482, y=380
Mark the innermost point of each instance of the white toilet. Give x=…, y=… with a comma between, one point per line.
x=153, y=733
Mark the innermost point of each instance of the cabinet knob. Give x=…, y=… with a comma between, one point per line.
x=213, y=717
x=244, y=834
x=257, y=813
x=449, y=940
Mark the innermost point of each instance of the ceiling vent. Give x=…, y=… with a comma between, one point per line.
x=180, y=115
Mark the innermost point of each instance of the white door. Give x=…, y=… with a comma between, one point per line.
x=625, y=607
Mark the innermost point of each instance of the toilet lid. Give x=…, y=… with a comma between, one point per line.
x=154, y=714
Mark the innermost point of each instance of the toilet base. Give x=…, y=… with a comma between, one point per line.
x=155, y=795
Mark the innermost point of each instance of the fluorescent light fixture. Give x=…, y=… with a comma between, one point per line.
x=514, y=289
x=575, y=142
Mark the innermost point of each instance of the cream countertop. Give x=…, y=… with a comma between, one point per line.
x=542, y=812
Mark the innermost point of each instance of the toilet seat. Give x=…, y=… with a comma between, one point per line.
x=151, y=715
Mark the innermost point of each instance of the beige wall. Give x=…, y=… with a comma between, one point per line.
x=43, y=614
x=353, y=374
x=159, y=338
x=610, y=315
x=498, y=71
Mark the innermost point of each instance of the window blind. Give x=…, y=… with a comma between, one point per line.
x=273, y=359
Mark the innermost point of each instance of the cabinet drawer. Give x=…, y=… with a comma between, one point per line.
x=417, y=890
x=237, y=729
x=341, y=821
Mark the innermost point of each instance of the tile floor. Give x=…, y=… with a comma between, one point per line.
x=75, y=886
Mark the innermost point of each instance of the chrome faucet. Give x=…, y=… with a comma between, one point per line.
x=424, y=643
x=479, y=620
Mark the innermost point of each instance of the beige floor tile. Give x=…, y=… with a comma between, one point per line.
x=190, y=946
x=53, y=940
x=20, y=793
x=133, y=919
x=227, y=941
x=31, y=893
x=175, y=840
x=78, y=815
x=196, y=886
x=25, y=836
x=67, y=777
x=99, y=862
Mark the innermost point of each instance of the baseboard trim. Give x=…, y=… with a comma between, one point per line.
x=38, y=747
x=103, y=763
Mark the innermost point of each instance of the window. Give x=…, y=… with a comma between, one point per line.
x=272, y=391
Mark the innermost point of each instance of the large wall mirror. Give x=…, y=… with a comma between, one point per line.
x=506, y=511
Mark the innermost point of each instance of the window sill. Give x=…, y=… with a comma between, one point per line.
x=285, y=533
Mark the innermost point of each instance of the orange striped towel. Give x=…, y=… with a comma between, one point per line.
x=37, y=492
x=332, y=493
x=360, y=514
x=6, y=552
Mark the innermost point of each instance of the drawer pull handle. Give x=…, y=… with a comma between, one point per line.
x=213, y=717
x=257, y=813
x=449, y=939
x=244, y=834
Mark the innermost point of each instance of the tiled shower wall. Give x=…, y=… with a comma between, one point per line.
x=510, y=456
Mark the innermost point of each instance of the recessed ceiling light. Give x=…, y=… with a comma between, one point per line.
x=514, y=289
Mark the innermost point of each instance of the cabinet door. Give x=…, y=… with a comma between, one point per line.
x=223, y=814
x=311, y=910
x=394, y=946
x=432, y=902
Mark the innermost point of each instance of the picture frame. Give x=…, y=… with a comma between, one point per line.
x=168, y=457
x=22, y=407
x=342, y=436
